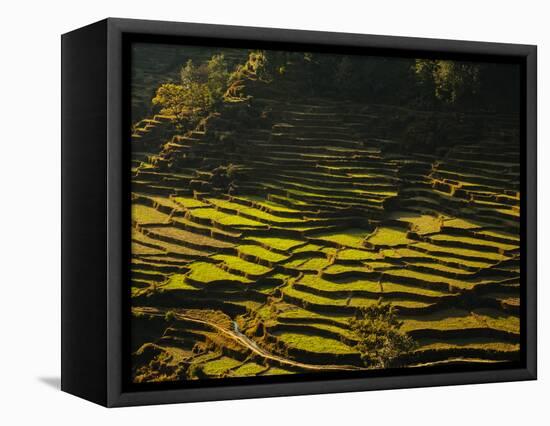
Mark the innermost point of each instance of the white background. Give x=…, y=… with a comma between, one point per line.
x=30, y=211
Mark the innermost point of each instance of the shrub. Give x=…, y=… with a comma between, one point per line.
x=195, y=371
x=381, y=342
x=257, y=66
x=223, y=176
x=170, y=316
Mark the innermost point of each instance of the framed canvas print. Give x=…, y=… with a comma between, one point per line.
x=253, y=212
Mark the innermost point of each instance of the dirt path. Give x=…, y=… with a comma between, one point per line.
x=243, y=340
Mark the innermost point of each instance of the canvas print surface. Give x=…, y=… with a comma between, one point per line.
x=304, y=213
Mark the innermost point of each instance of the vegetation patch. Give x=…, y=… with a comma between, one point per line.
x=408, y=255
x=420, y=223
x=308, y=248
x=262, y=253
x=475, y=255
x=276, y=371
x=242, y=265
x=441, y=268
x=312, y=264
x=268, y=217
x=349, y=238
x=317, y=282
x=425, y=277
x=178, y=237
x=219, y=367
x=205, y=272
x=487, y=344
x=461, y=223
x=248, y=369
x=147, y=215
x=177, y=282
x=389, y=237
x=353, y=254
x=278, y=243
x=316, y=344
x=458, y=319
x=389, y=287
x=473, y=241
x=189, y=203
x=224, y=218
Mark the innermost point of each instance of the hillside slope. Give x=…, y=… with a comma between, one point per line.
x=257, y=236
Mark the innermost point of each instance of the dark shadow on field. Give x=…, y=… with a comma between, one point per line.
x=54, y=382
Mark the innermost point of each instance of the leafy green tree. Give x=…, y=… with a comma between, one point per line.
x=190, y=73
x=200, y=91
x=217, y=78
x=183, y=102
x=381, y=341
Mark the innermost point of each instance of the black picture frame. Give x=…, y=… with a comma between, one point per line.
x=95, y=206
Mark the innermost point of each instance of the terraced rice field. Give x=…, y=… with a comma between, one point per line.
x=153, y=64
x=327, y=217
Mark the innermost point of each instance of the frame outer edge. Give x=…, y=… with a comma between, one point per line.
x=115, y=396
x=83, y=255
x=531, y=177
x=114, y=213
x=317, y=37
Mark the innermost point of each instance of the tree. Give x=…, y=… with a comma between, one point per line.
x=200, y=91
x=381, y=341
x=448, y=82
x=217, y=78
x=183, y=102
